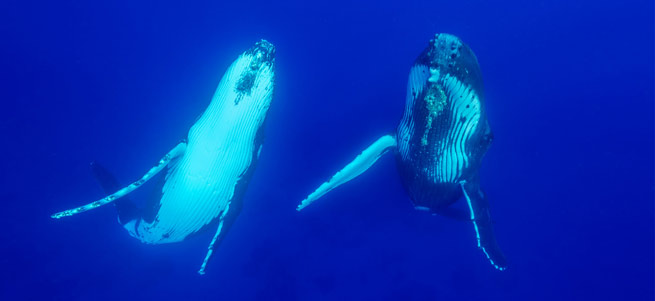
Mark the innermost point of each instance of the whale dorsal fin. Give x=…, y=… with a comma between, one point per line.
x=362, y=162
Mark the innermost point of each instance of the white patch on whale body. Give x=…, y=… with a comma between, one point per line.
x=130, y=227
x=435, y=74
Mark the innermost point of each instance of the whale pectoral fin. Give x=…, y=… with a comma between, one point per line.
x=175, y=152
x=479, y=207
x=361, y=163
x=218, y=236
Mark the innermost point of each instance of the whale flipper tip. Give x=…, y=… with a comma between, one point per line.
x=302, y=205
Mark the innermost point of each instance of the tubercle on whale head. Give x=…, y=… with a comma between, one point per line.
x=444, y=50
x=255, y=65
x=263, y=52
x=448, y=54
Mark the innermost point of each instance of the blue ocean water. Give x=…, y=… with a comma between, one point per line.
x=569, y=94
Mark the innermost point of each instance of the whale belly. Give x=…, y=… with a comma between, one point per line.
x=196, y=193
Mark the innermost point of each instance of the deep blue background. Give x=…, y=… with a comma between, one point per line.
x=569, y=88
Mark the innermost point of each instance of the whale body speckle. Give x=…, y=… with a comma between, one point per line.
x=440, y=141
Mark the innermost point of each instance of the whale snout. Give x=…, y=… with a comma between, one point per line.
x=445, y=41
x=262, y=52
x=253, y=72
x=444, y=50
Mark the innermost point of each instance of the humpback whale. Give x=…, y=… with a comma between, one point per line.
x=207, y=173
x=440, y=141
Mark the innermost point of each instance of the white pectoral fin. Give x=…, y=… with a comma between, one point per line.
x=482, y=223
x=217, y=237
x=175, y=152
x=355, y=168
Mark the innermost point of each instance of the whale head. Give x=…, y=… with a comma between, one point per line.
x=247, y=85
x=252, y=74
x=243, y=95
x=447, y=54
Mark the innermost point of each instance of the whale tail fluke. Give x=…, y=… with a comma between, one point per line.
x=457, y=214
x=481, y=217
x=127, y=210
x=355, y=168
x=175, y=152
